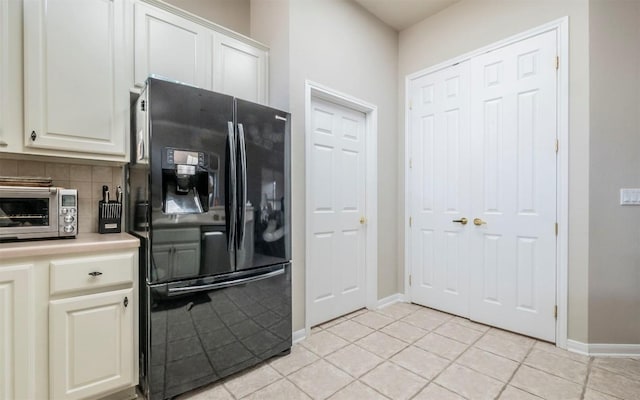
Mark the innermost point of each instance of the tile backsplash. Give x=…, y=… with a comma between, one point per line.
x=88, y=179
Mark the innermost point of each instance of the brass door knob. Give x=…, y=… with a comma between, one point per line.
x=363, y=220
x=462, y=221
x=478, y=221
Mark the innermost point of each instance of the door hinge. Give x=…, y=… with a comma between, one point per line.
x=410, y=105
x=409, y=280
x=557, y=145
x=555, y=312
x=557, y=62
x=556, y=229
x=410, y=222
x=411, y=163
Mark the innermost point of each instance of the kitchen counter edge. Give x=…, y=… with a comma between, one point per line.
x=83, y=243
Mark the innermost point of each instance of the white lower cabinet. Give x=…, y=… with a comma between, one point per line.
x=91, y=344
x=69, y=326
x=16, y=325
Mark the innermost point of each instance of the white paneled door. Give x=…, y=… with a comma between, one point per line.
x=496, y=167
x=513, y=93
x=336, y=263
x=440, y=189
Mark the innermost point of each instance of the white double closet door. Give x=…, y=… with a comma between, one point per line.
x=483, y=187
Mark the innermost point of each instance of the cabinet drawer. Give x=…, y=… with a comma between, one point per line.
x=92, y=272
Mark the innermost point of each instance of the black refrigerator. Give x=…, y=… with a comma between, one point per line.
x=209, y=197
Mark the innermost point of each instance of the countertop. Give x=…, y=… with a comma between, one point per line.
x=84, y=242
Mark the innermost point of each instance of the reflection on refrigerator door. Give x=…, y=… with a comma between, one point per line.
x=200, y=335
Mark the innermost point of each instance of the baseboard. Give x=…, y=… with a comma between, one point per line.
x=299, y=335
x=389, y=300
x=604, y=349
x=577, y=347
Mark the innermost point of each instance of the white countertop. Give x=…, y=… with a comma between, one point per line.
x=84, y=242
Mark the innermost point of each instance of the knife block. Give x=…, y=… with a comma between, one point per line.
x=109, y=217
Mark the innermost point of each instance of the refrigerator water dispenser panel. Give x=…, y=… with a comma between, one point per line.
x=189, y=181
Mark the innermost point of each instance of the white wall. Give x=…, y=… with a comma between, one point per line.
x=270, y=25
x=232, y=14
x=470, y=24
x=340, y=45
x=614, y=254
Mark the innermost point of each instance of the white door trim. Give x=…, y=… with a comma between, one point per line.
x=561, y=26
x=315, y=90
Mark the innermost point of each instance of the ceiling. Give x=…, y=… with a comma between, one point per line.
x=401, y=14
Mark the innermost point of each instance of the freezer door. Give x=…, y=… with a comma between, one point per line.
x=264, y=211
x=202, y=333
x=192, y=149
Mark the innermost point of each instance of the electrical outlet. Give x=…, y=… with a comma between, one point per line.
x=630, y=197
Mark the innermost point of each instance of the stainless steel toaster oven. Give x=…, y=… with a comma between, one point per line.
x=38, y=212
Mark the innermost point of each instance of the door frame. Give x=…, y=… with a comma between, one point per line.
x=315, y=90
x=561, y=26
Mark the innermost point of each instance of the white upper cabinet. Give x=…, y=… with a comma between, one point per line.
x=10, y=76
x=177, y=46
x=171, y=47
x=77, y=75
x=239, y=69
x=4, y=60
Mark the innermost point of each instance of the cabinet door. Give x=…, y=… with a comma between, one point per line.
x=91, y=344
x=11, y=76
x=76, y=75
x=17, y=350
x=4, y=63
x=239, y=69
x=170, y=47
x=186, y=260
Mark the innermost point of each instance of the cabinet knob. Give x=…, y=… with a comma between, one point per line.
x=126, y=302
x=95, y=273
x=33, y=136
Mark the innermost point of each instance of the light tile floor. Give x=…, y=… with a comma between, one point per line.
x=405, y=351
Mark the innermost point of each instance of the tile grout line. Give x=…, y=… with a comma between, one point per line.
x=586, y=378
x=321, y=357
x=359, y=346
x=433, y=380
x=520, y=364
x=394, y=320
x=405, y=347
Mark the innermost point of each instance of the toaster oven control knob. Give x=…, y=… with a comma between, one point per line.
x=68, y=229
x=69, y=219
x=64, y=211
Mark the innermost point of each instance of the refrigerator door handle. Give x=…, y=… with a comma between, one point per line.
x=243, y=187
x=232, y=197
x=219, y=285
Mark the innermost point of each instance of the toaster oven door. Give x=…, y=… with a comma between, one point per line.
x=27, y=213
